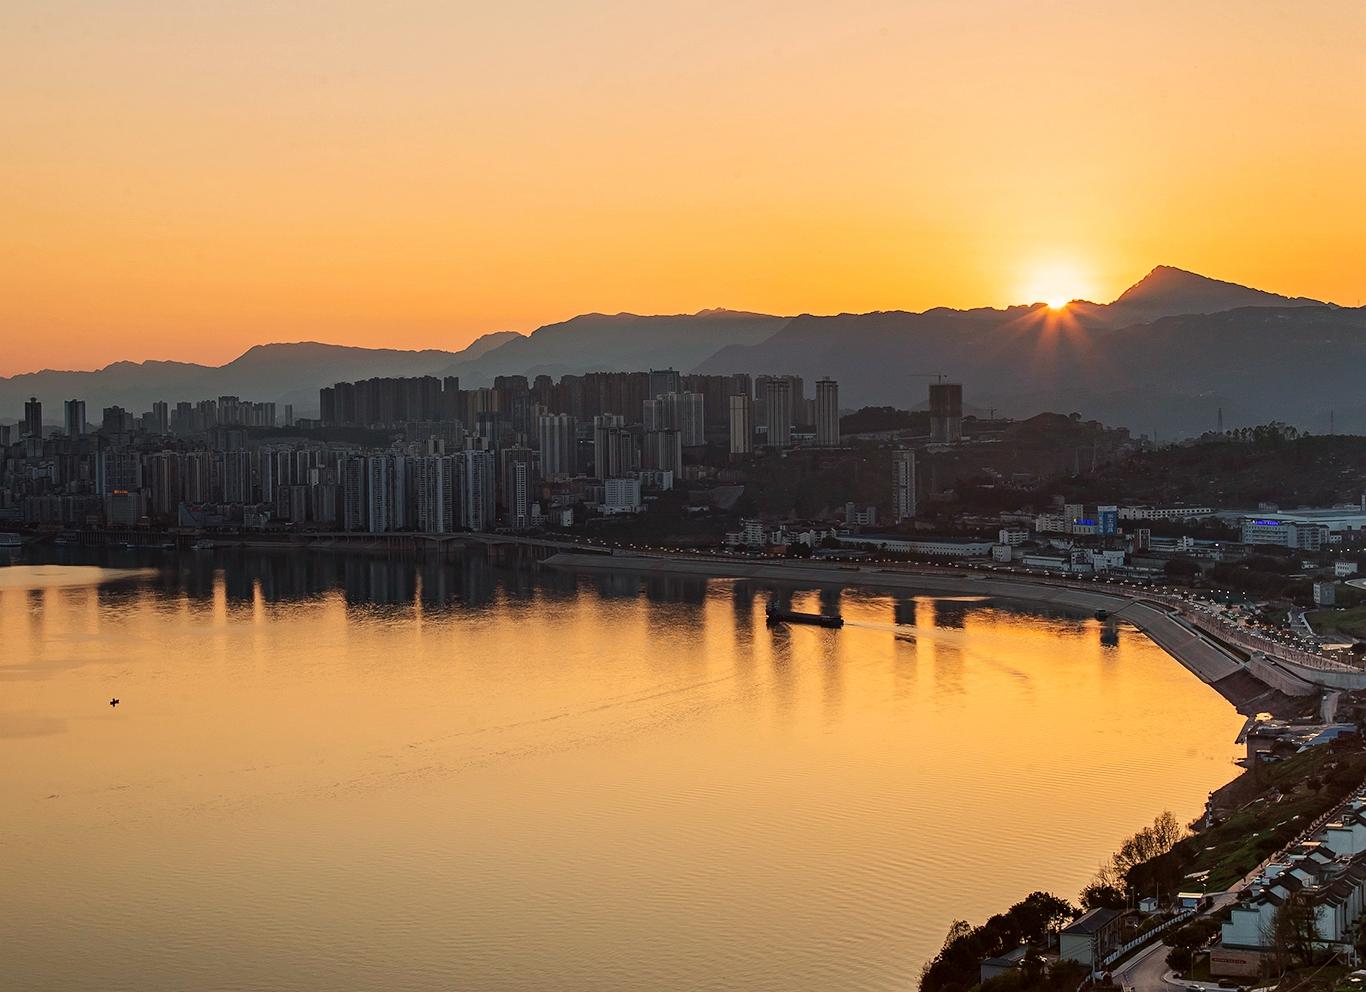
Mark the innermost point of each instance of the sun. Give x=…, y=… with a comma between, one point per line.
x=1057, y=283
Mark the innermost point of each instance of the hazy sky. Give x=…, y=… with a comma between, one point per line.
x=182, y=180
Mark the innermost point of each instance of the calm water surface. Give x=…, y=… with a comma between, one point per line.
x=349, y=773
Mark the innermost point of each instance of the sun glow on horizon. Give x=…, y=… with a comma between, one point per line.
x=1056, y=283
x=184, y=187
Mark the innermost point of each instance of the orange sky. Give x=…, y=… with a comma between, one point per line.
x=184, y=180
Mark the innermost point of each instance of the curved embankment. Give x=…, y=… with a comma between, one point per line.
x=1211, y=662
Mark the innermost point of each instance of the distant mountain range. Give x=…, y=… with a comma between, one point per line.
x=1164, y=357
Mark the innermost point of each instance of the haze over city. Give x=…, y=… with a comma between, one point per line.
x=190, y=180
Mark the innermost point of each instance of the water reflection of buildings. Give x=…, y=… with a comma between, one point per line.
x=675, y=589
x=617, y=585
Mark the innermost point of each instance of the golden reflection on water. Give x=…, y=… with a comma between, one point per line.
x=451, y=777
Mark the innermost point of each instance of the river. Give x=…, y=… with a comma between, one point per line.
x=343, y=772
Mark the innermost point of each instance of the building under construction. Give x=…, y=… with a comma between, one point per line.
x=946, y=412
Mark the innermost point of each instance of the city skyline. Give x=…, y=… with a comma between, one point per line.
x=186, y=185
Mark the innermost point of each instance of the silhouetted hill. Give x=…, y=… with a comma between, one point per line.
x=618, y=342
x=1170, y=376
x=1167, y=291
x=284, y=373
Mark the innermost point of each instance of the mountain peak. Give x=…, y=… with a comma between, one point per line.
x=1167, y=290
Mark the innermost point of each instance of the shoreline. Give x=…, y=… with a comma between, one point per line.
x=1212, y=663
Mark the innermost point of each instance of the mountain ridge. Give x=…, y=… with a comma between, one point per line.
x=1123, y=359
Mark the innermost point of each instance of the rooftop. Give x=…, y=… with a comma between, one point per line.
x=1092, y=922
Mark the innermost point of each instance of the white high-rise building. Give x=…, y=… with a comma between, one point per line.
x=558, y=434
x=434, y=484
x=378, y=494
x=686, y=416
x=664, y=450
x=682, y=412
x=778, y=411
x=518, y=485
x=903, y=484
x=603, y=425
x=827, y=413
x=236, y=477
x=653, y=415
x=478, y=490
x=616, y=448
x=741, y=425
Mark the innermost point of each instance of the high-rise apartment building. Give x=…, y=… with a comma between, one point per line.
x=517, y=489
x=353, y=493
x=778, y=411
x=73, y=417
x=741, y=425
x=827, y=413
x=687, y=416
x=682, y=412
x=236, y=477
x=663, y=450
x=663, y=381
x=616, y=447
x=903, y=484
x=558, y=435
x=378, y=494
x=434, y=482
x=33, y=417
x=478, y=489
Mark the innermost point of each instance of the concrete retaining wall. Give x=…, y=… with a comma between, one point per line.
x=1326, y=677
x=1278, y=678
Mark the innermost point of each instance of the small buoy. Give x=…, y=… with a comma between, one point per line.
x=114, y=701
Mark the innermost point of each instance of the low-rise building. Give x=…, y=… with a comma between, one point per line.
x=753, y=534
x=1090, y=938
x=1328, y=874
x=1003, y=964
x=621, y=496
x=946, y=547
x=1012, y=536
x=1276, y=532
x=860, y=516
x=1165, y=512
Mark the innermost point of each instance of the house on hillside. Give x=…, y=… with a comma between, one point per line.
x=1090, y=938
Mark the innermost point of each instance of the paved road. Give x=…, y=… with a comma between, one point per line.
x=1143, y=972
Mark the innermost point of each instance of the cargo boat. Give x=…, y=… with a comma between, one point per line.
x=777, y=616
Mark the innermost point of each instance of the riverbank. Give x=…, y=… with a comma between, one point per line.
x=1211, y=662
